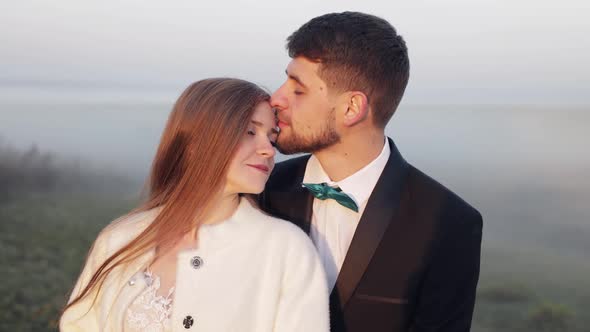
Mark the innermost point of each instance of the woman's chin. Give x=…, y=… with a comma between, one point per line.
x=253, y=189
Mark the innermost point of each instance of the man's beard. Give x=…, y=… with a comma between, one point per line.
x=297, y=143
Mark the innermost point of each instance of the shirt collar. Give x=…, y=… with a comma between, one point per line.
x=359, y=185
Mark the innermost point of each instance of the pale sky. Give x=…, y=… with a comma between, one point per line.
x=461, y=52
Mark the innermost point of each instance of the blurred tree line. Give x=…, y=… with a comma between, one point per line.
x=36, y=171
x=27, y=171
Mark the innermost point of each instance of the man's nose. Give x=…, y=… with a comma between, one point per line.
x=278, y=100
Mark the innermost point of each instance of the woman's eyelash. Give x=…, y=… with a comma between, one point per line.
x=253, y=133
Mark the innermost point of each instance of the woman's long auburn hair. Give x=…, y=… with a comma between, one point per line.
x=201, y=136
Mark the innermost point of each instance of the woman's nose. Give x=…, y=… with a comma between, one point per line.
x=267, y=149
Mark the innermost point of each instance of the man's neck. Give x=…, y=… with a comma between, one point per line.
x=350, y=155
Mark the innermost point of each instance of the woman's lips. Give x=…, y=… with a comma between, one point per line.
x=262, y=168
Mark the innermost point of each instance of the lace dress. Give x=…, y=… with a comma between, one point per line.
x=150, y=312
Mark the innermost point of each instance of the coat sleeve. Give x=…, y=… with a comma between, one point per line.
x=447, y=296
x=83, y=316
x=304, y=298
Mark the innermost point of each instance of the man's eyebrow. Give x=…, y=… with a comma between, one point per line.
x=296, y=79
x=274, y=130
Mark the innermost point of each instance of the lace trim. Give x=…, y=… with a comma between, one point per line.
x=150, y=312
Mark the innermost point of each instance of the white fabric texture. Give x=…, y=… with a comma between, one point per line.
x=150, y=312
x=256, y=273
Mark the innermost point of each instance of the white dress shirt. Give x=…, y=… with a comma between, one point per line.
x=333, y=225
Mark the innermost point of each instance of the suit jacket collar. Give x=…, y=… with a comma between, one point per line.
x=358, y=185
x=295, y=203
x=379, y=213
x=292, y=201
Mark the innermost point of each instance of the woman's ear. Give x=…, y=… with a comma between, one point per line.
x=358, y=108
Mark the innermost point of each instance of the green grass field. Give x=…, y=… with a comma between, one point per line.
x=44, y=239
x=528, y=289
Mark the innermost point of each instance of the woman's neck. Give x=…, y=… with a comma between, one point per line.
x=223, y=208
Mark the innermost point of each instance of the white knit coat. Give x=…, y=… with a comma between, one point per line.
x=251, y=272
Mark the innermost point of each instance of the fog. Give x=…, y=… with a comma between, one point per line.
x=518, y=164
x=497, y=109
x=497, y=101
x=506, y=138
x=462, y=52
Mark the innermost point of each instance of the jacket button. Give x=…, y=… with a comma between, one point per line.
x=197, y=262
x=188, y=322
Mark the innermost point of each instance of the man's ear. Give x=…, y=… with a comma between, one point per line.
x=357, y=108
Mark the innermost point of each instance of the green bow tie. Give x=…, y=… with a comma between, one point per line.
x=323, y=191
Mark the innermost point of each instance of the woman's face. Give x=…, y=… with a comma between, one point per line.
x=254, y=160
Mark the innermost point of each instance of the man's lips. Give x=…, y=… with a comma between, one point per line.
x=282, y=124
x=260, y=167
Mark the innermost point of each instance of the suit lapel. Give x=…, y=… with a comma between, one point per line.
x=378, y=214
x=290, y=200
x=304, y=200
x=297, y=206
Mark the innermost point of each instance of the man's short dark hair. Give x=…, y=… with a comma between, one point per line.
x=359, y=52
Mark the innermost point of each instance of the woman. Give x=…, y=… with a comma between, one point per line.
x=198, y=254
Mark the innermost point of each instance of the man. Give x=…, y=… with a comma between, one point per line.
x=401, y=251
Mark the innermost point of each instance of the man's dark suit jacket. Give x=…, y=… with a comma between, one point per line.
x=413, y=264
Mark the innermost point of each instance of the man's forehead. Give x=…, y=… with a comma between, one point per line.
x=303, y=71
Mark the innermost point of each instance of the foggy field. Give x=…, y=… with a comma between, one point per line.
x=50, y=212
x=43, y=243
x=497, y=109
x=534, y=275
x=44, y=240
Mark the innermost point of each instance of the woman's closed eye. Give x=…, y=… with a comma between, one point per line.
x=252, y=132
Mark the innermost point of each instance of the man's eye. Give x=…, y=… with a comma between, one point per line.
x=298, y=93
x=251, y=132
